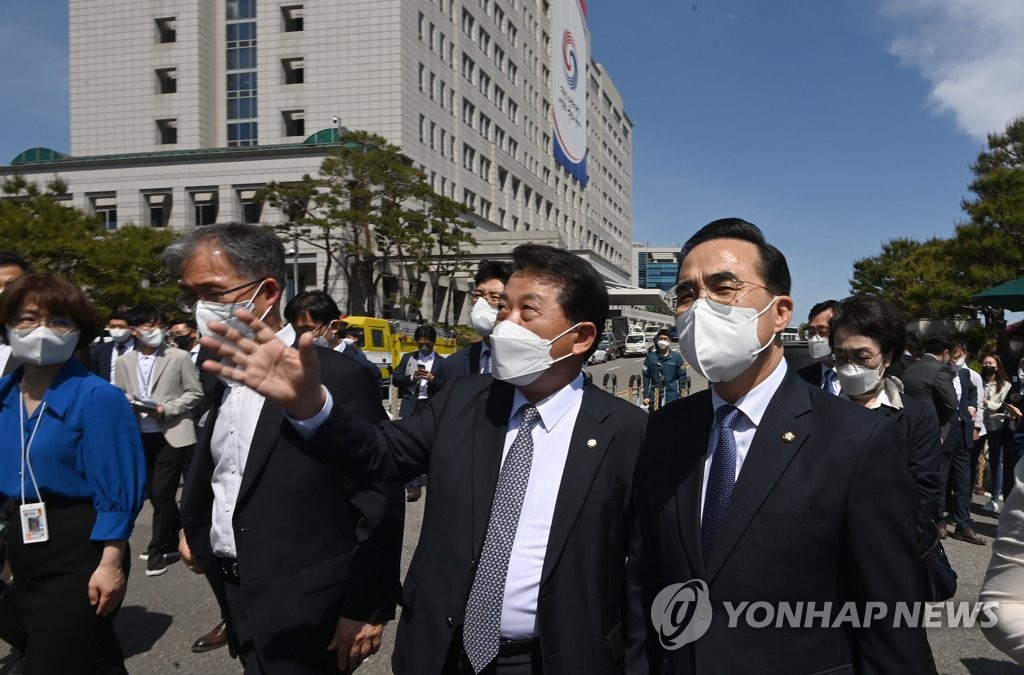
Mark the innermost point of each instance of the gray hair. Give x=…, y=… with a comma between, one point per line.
x=254, y=251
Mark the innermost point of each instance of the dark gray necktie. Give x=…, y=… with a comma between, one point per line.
x=721, y=480
x=483, y=609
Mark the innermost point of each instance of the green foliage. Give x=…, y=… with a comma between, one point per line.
x=365, y=210
x=936, y=278
x=116, y=268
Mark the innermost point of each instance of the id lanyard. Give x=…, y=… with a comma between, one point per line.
x=33, y=516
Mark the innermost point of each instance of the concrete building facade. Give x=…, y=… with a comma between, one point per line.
x=181, y=110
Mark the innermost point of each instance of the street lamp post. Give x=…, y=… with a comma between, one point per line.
x=295, y=266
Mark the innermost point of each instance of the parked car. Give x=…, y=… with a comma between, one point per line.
x=599, y=356
x=636, y=344
x=614, y=347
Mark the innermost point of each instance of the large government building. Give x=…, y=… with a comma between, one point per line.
x=181, y=110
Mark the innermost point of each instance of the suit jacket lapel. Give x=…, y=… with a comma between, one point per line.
x=131, y=361
x=158, y=368
x=766, y=461
x=489, y=429
x=689, y=466
x=581, y=465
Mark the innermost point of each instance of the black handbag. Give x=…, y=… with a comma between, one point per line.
x=939, y=576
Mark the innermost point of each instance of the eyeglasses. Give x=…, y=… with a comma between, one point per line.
x=187, y=303
x=858, y=358
x=817, y=332
x=491, y=297
x=724, y=290
x=59, y=324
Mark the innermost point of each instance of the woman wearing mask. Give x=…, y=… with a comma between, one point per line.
x=999, y=412
x=867, y=335
x=73, y=460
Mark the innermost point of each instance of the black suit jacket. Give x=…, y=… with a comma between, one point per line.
x=466, y=361
x=408, y=386
x=102, y=358
x=812, y=374
x=963, y=421
x=823, y=510
x=313, y=544
x=930, y=380
x=460, y=437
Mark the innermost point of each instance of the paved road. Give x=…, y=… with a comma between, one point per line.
x=163, y=615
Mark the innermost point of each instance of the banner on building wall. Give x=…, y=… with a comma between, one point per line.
x=570, y=55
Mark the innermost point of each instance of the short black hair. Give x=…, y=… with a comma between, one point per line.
x=186, y=320
x=146, y=314
x=425, y=332
x=318, y=304
x=774, y=269
x=120, y=315
x=872, y=317
x=492, y=269
x=10, y=258
x=582, y=292
x=937, y=344
x=664, y=331
x=822, y=306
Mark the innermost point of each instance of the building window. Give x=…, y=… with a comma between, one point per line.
x=252, y=208
x=168, y=131
x=159, y=205
x=294, y=122
x=241, y=77
x=423, y=122
x=294, y=70
x=205, y=207
x=291, y=16
x=167, y=80
x=166, y=30
x=105, y=208
x=241, y=9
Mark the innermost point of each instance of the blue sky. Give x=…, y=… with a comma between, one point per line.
x=835, y=125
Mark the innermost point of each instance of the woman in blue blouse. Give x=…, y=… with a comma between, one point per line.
x=71, y=459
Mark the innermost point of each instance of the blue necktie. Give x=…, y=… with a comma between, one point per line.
x=482, y=626
x=721, y=480
x=832, y=382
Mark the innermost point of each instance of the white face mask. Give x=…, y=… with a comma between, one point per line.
x=225, y=312
x=321, y=341
x=720, y=341
x=818, y=347
x=483, y=317
x=119, y=335
x=349, y=341
x=663, y=344
x=959, y=363
x=153, y=337
x=1015, y=345
x=519, y=356
x=858, y=380
x=42, y=345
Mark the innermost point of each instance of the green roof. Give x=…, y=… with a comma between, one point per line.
x=38, y=156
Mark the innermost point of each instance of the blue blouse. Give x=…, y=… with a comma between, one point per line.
x=87, y=446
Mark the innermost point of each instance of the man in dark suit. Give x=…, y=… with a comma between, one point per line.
x=303, y=560
x=821, y=373
x=122, y=340
x=420, y=374
x=965, y=428
x=491, y=277
x=930, y=379
x=762, y=489
x=520, y=563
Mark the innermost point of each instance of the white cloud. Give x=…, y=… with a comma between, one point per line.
x=971, y=52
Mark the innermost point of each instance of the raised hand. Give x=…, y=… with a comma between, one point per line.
x=284, y=374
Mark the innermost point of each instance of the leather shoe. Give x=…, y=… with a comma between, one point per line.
x=413, y=494
x=218, y=637
x=940, y=528
x=968, y=535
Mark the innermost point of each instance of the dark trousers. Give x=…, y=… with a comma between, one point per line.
x=51, y=580
x=457, y=663
x=163, y=473
x=1011, y=455
x=959, y=483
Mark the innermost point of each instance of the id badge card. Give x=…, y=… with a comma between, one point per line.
x=34, y=528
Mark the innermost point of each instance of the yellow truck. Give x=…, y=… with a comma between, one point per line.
x=384, y=342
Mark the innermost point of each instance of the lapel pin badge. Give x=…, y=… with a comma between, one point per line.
x=592, y=443
x=789, y=437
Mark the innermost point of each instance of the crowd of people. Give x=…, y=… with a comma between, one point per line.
x=557, y=514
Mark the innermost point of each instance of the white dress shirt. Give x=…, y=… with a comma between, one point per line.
x=5, y=353
x=428, y=363
x=551, y=437
x=752, y=405
x=233, y=431
x=485, y=359
x=146, y=364
x=128, y=345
